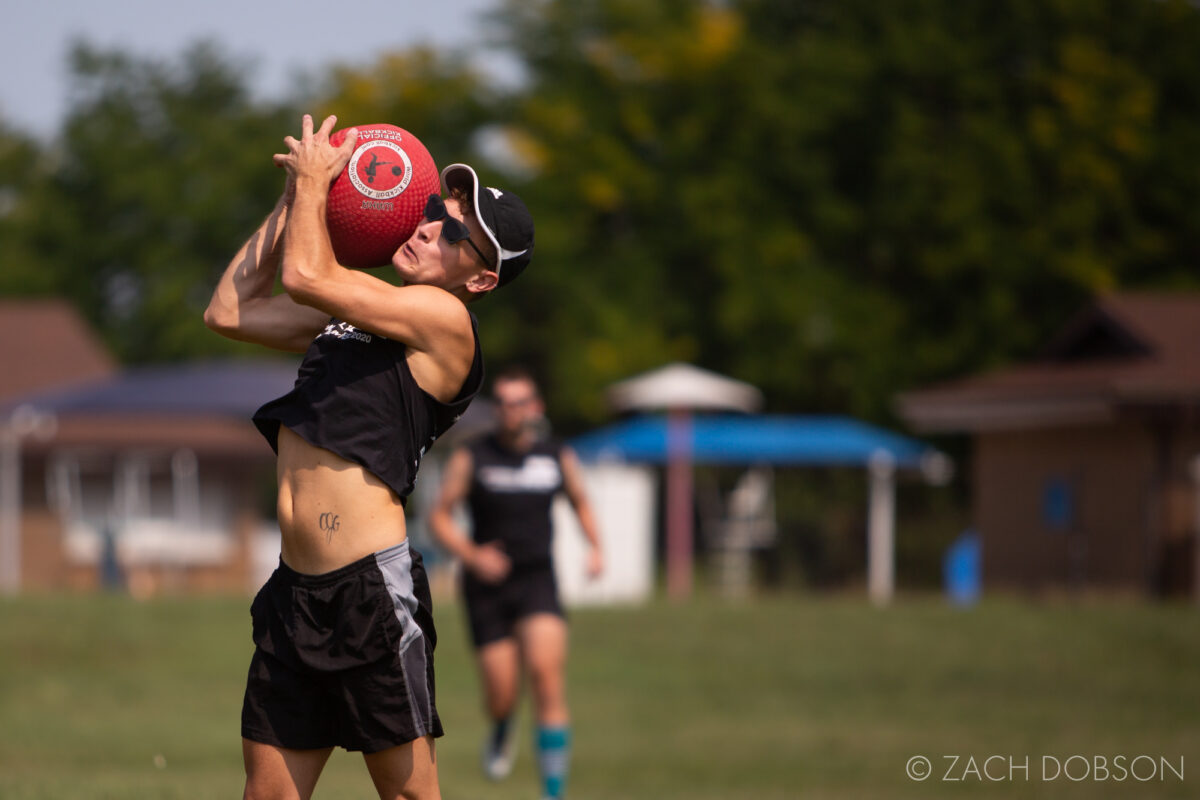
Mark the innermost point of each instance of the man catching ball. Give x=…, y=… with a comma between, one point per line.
x=343, y=629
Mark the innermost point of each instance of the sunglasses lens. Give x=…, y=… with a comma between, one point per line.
x=453, y=230
x=435, y=209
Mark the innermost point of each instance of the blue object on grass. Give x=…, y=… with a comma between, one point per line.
x=962, y=569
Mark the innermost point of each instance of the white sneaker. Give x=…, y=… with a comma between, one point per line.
x=500, y=756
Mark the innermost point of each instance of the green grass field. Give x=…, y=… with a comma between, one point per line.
x=781, y=697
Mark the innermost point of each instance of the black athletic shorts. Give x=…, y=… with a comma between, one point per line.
x=493, y=609
x=344, y=658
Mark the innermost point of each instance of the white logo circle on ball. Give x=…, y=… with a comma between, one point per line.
x=375, y=164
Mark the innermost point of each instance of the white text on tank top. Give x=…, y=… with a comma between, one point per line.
x=537, y=473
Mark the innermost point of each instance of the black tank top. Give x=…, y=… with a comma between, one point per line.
x=355, y=396
x=511, y=496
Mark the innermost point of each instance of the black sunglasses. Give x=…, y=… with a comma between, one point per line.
x=453, y=230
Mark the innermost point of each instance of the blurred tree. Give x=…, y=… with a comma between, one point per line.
x=436, y=97
x=836, y=200
x=162, y=168
x=831, y=200
x=623, y=122
x=23, y=164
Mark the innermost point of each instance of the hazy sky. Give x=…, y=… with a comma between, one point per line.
x=279, y=38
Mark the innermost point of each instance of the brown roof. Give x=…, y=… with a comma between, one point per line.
x=1168, y=324
x=45, y=344
x=1125, y=350
x=207, y=436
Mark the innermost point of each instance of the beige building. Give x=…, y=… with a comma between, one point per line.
x=152, y=479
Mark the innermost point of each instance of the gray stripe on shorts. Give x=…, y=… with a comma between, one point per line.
x=395, y=563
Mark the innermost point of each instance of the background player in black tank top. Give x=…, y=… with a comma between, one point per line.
x=509, y=481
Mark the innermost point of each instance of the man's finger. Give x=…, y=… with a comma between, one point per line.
x=327, y=126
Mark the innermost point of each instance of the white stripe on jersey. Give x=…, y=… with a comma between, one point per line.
x=537, y=474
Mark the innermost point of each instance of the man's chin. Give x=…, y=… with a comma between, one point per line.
x=403, y=270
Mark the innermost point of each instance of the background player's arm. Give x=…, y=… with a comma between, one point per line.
x=244, y=306
x=486, y=561
x=573, y=487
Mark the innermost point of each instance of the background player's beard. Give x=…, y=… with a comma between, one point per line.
x=538, y=428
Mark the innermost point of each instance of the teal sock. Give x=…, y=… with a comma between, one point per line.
x=554, y=751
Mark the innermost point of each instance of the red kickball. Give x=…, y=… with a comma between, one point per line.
x=377, y=202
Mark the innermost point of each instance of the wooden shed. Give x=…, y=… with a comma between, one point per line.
x=1086, y=461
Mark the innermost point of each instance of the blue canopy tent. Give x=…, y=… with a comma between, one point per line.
x=791, y=440
x=782, y=440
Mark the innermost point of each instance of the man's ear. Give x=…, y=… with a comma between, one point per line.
x=483, y=282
